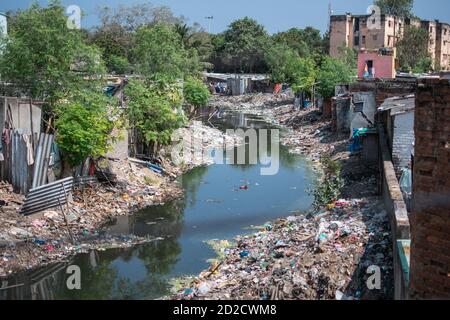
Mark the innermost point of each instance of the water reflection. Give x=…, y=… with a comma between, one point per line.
x=214, y=207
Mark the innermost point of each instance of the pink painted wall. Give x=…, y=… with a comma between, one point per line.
x=384, y=65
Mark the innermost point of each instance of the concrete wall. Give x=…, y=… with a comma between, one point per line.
x=384, y=89
x=341, y=114
x=24, y=116
x=369, y=109
x=384, y=65
x=120, y=147
x=340, y=33
x=398, y=215
x=430, y=225
x=402, y=140
x=443, y=46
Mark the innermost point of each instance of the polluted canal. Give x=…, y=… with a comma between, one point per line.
x=221, y=201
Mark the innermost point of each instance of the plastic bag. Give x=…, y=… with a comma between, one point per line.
x=406, y=181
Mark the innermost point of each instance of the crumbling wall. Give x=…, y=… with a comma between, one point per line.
x=430, y=226
x=369, y=110
x=384, y=89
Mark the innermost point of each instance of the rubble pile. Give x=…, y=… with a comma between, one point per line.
x=323, y=255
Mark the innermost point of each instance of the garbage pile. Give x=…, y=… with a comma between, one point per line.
x=197, y=143
x=322, y=255
x=253, y=101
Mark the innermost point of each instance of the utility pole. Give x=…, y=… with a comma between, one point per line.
x=210, y=18
x=330, y=12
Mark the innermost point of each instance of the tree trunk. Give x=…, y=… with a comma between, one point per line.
x=67, y=169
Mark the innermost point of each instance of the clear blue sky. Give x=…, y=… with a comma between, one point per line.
x=275, y=15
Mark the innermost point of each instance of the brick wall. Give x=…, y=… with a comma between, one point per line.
x=430, y=220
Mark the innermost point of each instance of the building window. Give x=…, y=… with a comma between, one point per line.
x=363, y=40
x=445, y=32
x=390, y=24
x=431, y=29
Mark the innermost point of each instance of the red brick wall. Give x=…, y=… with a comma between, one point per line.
x=430, y=220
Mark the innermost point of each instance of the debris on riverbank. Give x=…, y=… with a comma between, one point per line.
x=122, y=188
x=324, y=255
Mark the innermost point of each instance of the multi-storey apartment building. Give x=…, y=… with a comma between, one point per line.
x=364, y=31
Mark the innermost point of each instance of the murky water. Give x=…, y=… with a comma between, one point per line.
x=214, y=208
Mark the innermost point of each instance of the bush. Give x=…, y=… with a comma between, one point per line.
x=151, y=110
x=118, y=65
x=82, y=127
x=196, y=92
x=329, y=188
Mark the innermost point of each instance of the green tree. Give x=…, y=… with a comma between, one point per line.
x=286, y=66
x=159, y=51
x=279, y=59
x=413, y=54
x=399, y=8
x=292, y=39
x=349, y=56
x=84, y=122
x=196, y=93
x=331, y=73
x=42, y=57
x=151, y=109
x=245, y=42
x=118, y=64
x=116, y=43
x=305, y=75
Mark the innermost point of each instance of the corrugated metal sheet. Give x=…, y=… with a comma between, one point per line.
x=81, y=181
x=42, y=158
x=15, y=164
x=47, y=196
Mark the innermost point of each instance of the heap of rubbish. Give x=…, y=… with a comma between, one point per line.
x=323, y=255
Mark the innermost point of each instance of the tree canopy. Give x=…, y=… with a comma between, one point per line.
x=400, y=8
x=159, y=50
x=332, y=72
x=413, y=54
x=245, y=41
x=42, y=57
